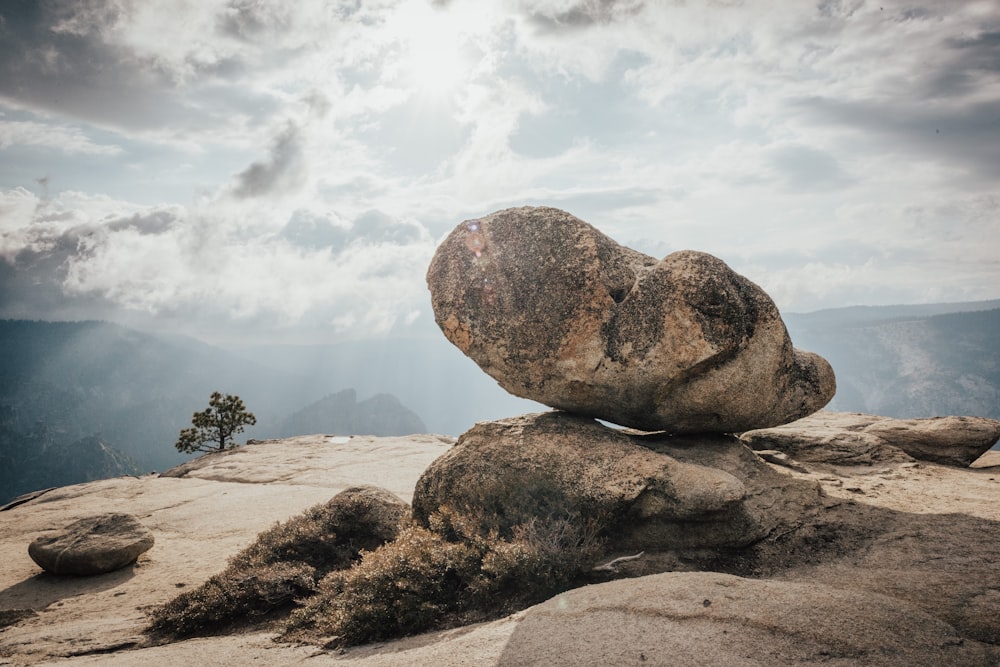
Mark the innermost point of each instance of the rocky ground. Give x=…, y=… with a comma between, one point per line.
x=906, y=570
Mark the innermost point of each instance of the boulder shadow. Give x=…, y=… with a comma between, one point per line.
x=880, y=585
x=44, y=589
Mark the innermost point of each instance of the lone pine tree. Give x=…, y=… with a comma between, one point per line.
x=225, y=417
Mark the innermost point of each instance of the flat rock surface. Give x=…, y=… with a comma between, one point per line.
x=846, y=438
x=199, y=521
x=708, y=618
x=204, y=517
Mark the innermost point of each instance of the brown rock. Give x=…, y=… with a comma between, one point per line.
x=644, y=491
x=94, y=545
x=837, y=438
x=559, y=313
x=850, y=438
x=359, y=517
x=955, y=441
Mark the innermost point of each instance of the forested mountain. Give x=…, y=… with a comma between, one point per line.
x=909, y=361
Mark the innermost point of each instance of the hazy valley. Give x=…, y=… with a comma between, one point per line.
x=85, y=400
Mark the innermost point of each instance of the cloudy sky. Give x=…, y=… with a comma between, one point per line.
x=279, y=170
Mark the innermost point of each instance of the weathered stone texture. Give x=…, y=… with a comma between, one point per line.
x=850, y=438
x=559, y=313
x=645, y=491
x=94, y=545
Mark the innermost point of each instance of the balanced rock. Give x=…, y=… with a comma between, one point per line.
x=559, y=313
x=654, y=492
x=851, y=438
x=94, y=545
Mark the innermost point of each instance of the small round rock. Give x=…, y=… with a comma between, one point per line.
x=93, y=545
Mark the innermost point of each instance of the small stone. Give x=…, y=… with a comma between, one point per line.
x=94, y=545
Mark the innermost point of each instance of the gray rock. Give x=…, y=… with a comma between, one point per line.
x=651, y=492
x=557, y=312
x=850, y=438
x=94, y=545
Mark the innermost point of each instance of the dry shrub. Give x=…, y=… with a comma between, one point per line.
x=232, y=597
x=448, y=575
x=525, y=544
x=284, y=564
x=544, y=557
x=407, y=586
x=331, y=535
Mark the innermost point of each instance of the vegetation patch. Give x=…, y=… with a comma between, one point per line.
x=361, y=572
x=284, y=564
x=452, y=573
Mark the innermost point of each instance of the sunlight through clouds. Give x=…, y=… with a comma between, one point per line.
x=290, y=165
x=432, y=56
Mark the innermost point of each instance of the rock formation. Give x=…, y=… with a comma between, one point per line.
x=850, y=438
x=557, y=312
x=652, y=492
x=898, y=567
x=94, y=545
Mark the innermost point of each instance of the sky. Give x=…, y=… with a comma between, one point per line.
x=273, y=171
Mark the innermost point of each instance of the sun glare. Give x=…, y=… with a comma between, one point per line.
x=433, y=61
x=435, y=64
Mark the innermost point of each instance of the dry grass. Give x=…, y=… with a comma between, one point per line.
x=284, y=564
x=448, y=575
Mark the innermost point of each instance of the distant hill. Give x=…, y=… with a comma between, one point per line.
x=133, y=390
x=86, y=399
x=342, y=414
x=909, y=361
x=429, y=375
x=30, y=460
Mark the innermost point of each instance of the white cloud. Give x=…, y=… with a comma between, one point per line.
x=838, y=152
x=57, y=137
x=211, y=263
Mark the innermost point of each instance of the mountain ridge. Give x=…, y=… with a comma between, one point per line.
x=135, y=390
x=62, y=383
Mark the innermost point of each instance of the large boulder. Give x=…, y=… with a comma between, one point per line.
x=559, y=313
x=653, y=492
x=93, y=545
x=851, y=438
